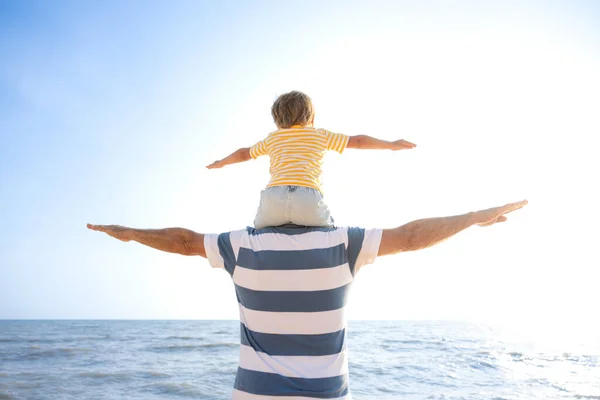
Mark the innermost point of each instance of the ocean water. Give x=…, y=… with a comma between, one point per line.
x=198, y=360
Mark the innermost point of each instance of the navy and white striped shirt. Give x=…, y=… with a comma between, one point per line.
x=292, y=286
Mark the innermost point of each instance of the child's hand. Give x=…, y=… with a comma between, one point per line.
x=216, y=164
x=402, y=145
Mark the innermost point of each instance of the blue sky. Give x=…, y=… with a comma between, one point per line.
x=109, y=112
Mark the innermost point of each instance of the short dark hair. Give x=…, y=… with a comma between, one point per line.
x=293, y=108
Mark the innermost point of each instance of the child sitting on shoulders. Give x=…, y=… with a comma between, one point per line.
x=296, y=151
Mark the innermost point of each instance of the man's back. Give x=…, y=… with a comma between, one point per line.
x=292, y=286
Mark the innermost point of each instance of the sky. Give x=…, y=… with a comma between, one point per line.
x=110, y=111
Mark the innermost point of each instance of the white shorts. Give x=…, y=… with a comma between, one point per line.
x=298, y=205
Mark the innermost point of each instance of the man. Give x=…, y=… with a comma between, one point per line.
x=292, y=284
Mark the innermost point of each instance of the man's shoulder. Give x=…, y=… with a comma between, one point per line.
x=360, y=245
x=294, y=230
x=291, y=229
x=283, y=230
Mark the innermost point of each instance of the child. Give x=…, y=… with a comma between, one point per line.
x=296, y=150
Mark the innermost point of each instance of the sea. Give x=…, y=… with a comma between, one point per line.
x=89, y=359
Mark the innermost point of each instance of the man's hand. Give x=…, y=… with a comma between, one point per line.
x=172, y=240
x=117, y=231
x=402, y=145
x=494, y=215
x=424, y=233
x=216, y=164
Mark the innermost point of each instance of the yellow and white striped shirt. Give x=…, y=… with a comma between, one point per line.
x=296, y=154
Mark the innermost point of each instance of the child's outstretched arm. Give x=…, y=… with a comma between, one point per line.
x=370, y=143
x=238, y=156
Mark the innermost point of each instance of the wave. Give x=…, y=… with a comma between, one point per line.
x=123, y=376
x=26, y=340
x=156, y=374
x=191, y=347
x=482, y=365
x=58, y=339
x=182, y=338
x=107, y=376
x=60, y=352
x=227, y=344
x=179, y=389
x=404, y=342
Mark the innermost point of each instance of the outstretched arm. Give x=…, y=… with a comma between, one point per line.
x=172, y=240
x=370, y=143
x=415, y=235
x=240, y=155
x=425, y=233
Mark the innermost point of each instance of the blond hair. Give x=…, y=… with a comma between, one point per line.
x=293, y=108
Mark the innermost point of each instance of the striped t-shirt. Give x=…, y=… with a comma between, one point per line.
x=296, y=154
x=292, y=286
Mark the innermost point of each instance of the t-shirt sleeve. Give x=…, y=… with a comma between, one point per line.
x=363, y=246
x=336, y=141
x=222, y=250
x=259, y=149
x=213, y=255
